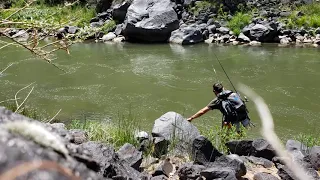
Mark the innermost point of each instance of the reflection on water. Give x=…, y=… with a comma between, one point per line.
x=105, y=79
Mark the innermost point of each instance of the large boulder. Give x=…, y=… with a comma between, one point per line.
x=203, y=151
x=264, y=32
x=119, y=11
x=186, y=35
x=150, y=21
x=264, y=176
x=174, y=127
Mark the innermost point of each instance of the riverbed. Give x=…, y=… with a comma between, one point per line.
x=101, y=81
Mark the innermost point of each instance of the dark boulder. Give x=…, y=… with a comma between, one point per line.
x=285, y=173
x=219, y=173
x=241, y=148
x=186, y=35
x=119, y=11
x=190, y=171
x=111, y=166
x=173, y=126
x=257, y=147
x=317, y=31
x=100, y=5
x=203, y=151
x=264, y=176
x=160, y=146
x=223, y=30
x=150, y=21
x=263, y=149
x=315, y=157
x=212, y=28
x=131, y=155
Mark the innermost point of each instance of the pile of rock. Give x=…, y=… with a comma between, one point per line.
x=48, y=151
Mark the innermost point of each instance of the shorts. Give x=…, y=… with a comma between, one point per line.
x=245, y=123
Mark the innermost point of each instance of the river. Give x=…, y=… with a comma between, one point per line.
x=102, y=81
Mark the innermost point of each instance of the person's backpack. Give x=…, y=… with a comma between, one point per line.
x=229, y=110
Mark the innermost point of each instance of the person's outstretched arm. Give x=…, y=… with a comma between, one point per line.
x=199, y=113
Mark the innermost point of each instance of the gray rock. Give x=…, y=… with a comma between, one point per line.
x=173, y=125
x=190, y=171
x=241, y=148
x=243, y=38
x=22, y=35
x=203, y=151
x=223, y=30
x=111, y=166
x=150, y=21
x=71, y=29
x=263, y=149
x=161, y=177
x=119, y=39
x=315, y=157
x=186, y=35
x=212, y=28
x=285, y=14
x=96, y=24
x=317, y=31
x=285, y=173
x=260, y=161
x=108, y=37
x=293, y=145
x=216, y=173
x=131, y=155
x=118, y=29
x=233, y=163
x=264, y=176
x=165, y=168
x=78, y=136
x=119, y=11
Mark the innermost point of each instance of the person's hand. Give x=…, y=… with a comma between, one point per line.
x=189, y=119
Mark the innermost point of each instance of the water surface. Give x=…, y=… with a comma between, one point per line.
x=103, y=80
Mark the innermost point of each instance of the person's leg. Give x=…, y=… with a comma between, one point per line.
x=246, y=123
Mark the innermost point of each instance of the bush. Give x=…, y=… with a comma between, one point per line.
x=238, y=22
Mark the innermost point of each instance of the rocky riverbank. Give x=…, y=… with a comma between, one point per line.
x=35, y=150
x=190, y=22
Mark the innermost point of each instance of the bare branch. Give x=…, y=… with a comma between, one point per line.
x=270, y=135
x=15, y=96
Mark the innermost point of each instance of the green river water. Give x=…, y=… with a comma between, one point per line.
x=104, y=80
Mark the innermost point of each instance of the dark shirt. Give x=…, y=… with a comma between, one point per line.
x=235, y=99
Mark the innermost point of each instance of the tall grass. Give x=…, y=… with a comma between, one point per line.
x=220, y=136
x=239, y=21
x=55, y=15
x=308, y=139
x=118, y=132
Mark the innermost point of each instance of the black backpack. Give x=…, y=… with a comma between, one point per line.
x=229, y=111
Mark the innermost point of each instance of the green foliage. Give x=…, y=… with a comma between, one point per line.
x=108, y=26
x=52, y=16
x=238, y=22
x=201, y=6
x=116, y=133
x=308, y=140
x=220, y=136
x=310, y=17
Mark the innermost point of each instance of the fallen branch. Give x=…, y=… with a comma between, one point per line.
x=270, y=135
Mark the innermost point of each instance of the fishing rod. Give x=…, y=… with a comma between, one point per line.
x=225, y=73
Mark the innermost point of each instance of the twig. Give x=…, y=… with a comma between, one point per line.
x=54, y=116
x=15, y=96
x=270, y=135
x=6, y=67
x=25, y=99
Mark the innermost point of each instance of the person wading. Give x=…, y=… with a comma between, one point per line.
x=230, y=105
